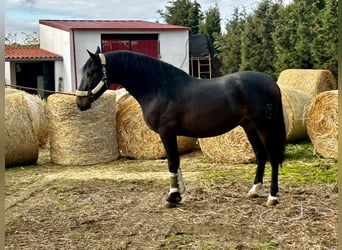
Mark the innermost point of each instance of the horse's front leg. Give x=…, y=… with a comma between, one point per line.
x=176, y=180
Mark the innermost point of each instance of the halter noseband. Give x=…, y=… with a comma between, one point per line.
x=103, y=82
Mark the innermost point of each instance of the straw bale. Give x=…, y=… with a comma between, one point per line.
x=232, y=147
x=322, y=124
x=21, y=146
x=82, y=137
x=135, y=139
x=37, y=113
x=295, y=105
x=311, y=81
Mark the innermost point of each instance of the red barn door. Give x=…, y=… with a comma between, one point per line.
x=145, y=43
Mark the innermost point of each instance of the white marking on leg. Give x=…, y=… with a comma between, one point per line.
x=272, y=198
x=177, y=184
x=173, y=190
x=254, y=190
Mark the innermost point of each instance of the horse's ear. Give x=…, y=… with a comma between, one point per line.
x=93, y=56
x=98, y=50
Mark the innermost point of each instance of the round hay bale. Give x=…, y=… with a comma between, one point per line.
x=135, y=139
x=82, y=137
x=295, y=105
x=311, y=81
x=21, y=145
x=322, y=124
x=232, y=147
x=11, y=91
x=37, y=113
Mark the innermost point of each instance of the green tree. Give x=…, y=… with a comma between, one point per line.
x=211, y=25
x=296, y=30
x=229, y=44
x=184, y=13
x=324, y=48
x=257, y=48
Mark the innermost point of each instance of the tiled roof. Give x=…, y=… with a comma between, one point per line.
x=13, y=53
x=69, y=25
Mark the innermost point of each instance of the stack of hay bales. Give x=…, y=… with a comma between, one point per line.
x=299, y=87
x=135, y=139
x=232, y=147
x=21, y=145
x=82, y=137
x=311, y=81
x=322, y=124
x=295, y=105
x=320, y=111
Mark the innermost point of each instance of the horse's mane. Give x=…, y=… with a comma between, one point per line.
x=146, y=73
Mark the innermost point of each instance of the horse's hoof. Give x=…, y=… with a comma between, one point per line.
x=174, y=198
x=252, y=195
x=272, y=202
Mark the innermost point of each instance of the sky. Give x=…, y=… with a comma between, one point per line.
x=23, y=15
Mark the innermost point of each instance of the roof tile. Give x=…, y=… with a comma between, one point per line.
x=28, y=52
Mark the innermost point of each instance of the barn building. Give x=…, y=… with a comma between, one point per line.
x=63, y=46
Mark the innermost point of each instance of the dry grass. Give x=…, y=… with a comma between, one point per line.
x=295, y=105
x=82, y=138
x=120, y=205
x=322, y=124
x=21, y=142
x=232, y=147
x=311, y=81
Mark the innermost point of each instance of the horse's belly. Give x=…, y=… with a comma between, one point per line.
x=209, y=125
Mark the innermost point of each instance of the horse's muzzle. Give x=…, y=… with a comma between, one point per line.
x=83, y=103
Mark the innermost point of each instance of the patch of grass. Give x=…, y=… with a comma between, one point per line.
x=81, y=236
x=267, y=245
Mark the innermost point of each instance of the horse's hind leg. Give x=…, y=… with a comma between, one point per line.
x=176, y=180
x=261, y=157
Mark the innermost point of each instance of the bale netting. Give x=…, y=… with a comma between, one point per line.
x=21, y=145
x=295, y=105
x=82, y=137
x=135, y=139
x=232, y=147
x=311, y=81
x=37, y=113
x=322, y=124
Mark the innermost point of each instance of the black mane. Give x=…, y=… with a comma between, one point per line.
x=145, y=73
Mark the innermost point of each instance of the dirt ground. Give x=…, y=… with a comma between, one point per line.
x=121, y=205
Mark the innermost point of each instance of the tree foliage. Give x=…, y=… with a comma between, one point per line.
x=274, y=37
x=184, y=13
x=211, y=25
x=31, y=39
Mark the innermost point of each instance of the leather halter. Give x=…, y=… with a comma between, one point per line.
x=98, y=87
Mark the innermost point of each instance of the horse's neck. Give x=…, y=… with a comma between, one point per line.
x=128, y=73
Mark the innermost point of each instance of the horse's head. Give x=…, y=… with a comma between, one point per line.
x=94, y=80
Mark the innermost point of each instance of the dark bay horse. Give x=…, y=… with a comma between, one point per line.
x=174, y=103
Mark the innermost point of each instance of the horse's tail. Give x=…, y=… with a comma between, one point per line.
x=280, y=132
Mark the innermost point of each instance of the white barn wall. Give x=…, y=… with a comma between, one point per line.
x=84, y=40
x=59, y=42
x=174, y=48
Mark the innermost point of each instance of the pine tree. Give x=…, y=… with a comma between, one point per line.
x=229, y=44
x=211, y=26
x=257, y=49
x=184, y=13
